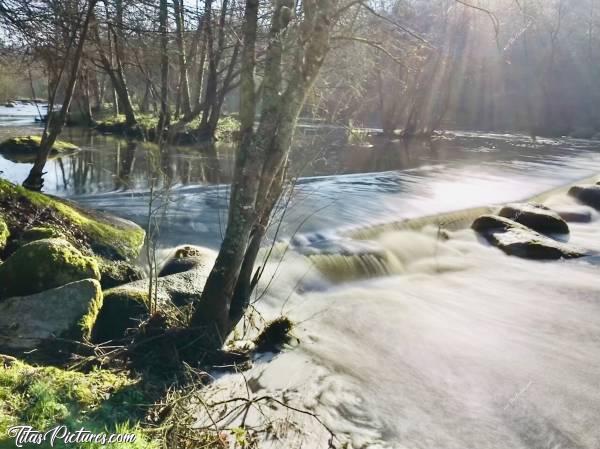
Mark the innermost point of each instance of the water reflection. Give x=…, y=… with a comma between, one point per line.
x=109, y=164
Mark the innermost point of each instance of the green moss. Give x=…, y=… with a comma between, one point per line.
x=45, y=397
x=40, y=233
x=117, y=124
x=105, y=236
x=86, y=325
x=122, y=309
x=4, y=233
x=115, y=273
x=31, y=144
x=228, y=128
x=42, y=265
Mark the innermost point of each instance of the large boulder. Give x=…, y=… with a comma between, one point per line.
x=115, y=273
x=517, y=240
x=186, y=258
x=179, y=289
x=589, y=195
x=123, y=309
x=126, y=306
x=31, y=235
x=103, y=234
x=537, y=217
x=68, y=311
x=42, y=265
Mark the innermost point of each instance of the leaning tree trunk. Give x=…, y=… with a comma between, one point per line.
x=55, y=125
x=261, y=158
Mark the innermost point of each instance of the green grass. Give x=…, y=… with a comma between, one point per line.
x=45, y=397
x=227, y=127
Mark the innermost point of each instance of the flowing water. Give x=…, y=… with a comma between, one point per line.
x=407, y=340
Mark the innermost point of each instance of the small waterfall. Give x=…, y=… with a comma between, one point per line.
x=347, y=267
x=394, y=253
x=449, y=221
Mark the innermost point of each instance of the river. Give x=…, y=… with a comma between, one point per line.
x=436, y=344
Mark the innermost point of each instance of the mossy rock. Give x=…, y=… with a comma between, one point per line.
x=105, y=235
x=186, y=258
x=40, y=233
x=68, y=311
x=123, y=309
x=25, y=148
x=116, y=273
x=33, y=234
x=4, y=233
x=42, y=265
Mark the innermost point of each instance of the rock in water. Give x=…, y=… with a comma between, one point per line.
x=589, y=195
x=576, y=214
x=537, y=217
x=25, y=148
x=42, y=265
x=188, y=258
x=517, y=240
x=68, y=311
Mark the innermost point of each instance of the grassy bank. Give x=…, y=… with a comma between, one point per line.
x=45, y=397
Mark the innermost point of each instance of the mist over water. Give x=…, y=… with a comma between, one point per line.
x=407, y=340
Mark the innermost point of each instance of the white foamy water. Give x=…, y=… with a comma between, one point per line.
x=461, y=347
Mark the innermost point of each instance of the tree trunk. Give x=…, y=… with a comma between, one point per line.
x=35, y=180
x=165, y=115
x=261, y=158
x=184, y=84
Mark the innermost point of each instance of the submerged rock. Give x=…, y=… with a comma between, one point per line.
x=576, y=214
x=537, y=217
x=105, y=235
x=42, y=265
x=25, y=148
x=517, y=240
x=68, y=311
x=123, y=308
x=188, y=258
x=589, y=195
x=118, y=273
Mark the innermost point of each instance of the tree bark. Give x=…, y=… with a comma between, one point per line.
x=165, y=115
x=261, y=157
x=184, y=83
x=55, y=125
